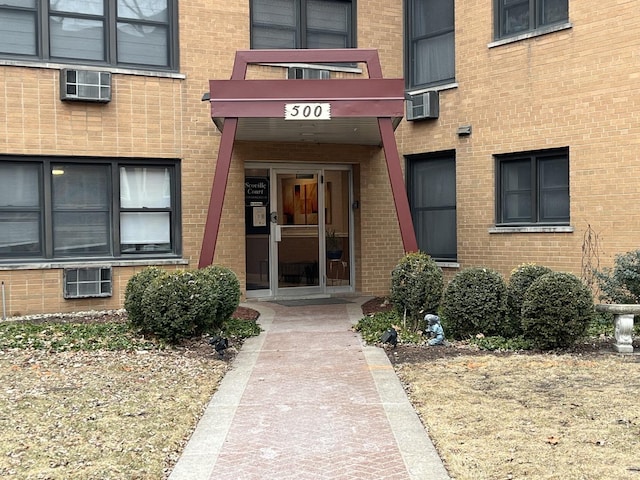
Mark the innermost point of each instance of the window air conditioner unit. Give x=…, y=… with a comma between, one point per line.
x=87, y=282
x=299, y=73
x=423, y=105
x=85, y=85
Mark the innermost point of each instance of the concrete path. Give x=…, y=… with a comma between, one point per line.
x=306, y=399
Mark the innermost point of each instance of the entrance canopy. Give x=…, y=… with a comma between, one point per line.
x=342, y=111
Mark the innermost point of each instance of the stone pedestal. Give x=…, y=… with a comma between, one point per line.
x=623, y=324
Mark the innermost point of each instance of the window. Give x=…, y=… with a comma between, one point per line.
x=430, y=42
x=432, y=198
x=67, y=208
x=101, y=32
x=302, y=24
x=533, y=188
x=518, y=16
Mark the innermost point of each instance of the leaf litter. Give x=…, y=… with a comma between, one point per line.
x=101, y=414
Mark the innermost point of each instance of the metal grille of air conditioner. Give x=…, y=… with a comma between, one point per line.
x=85, y=85
x=299, y=73
x=422, y=106
x=87, y=282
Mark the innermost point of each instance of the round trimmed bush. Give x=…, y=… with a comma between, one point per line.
x=474, y=302
x=226, y=287
x=416, y=286
x=521, y=279
x=180, y=305
x=556, y=310
x=133, y=293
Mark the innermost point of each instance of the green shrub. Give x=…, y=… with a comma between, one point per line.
x=416, y=287
x=180, y=305
x=622, y=283
x=474, y=302
x=134, y=291
x=521, y=279
x=372, y=326
x=238, y=328
x=556, y=310
x=226, y=287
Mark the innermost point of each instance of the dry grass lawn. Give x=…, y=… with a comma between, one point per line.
x=99, y=415
x=555, y=416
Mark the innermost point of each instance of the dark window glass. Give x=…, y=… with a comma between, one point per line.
x=20, y=204
x=111, y=32
x=431, y=42
x=81, y=213
x=143, y=33
x=76, y=38
x=534, y=188
x=302, y=24
x=18, y=20
x=517, y=16
x=432, y=197
x=68, y=209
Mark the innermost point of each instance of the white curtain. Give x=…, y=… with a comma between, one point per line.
x=145, y=187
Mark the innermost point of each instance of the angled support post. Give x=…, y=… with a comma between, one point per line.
x=218, y=189
x=398, y=189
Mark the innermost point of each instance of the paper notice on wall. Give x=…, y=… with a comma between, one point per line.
x=259, y=216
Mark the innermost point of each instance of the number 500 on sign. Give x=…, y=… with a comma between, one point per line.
x=307, y=111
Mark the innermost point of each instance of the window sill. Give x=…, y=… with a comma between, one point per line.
x=435, y=88
x=105, y=68
x=536, y=229
x=91, y=263
x=447, y=264
x=531, y=34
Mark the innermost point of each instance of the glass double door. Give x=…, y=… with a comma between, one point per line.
x=298, y=239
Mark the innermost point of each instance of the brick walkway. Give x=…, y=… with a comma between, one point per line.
x=306, y=400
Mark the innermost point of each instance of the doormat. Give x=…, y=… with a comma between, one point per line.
x=303, y=302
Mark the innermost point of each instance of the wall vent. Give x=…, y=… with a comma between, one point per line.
x=299, y=73
x=87, y=282
x=85, y=85
x=422, y=106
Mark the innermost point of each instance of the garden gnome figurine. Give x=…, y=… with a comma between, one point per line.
x=434, y=329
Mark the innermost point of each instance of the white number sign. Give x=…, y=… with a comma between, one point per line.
x=307, y=111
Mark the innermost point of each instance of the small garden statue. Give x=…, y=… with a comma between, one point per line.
x=434, y=329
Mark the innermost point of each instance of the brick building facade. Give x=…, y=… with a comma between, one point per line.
x=535, y=140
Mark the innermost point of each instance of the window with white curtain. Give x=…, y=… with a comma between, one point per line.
x=141, y=33
x=145, y=209
x=431, y=186
x=88, y=208
x=430, y=42
x=302, y=24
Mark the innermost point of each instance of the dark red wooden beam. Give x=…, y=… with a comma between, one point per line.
x=398, y=189
x=266, y=98
x=214, y=213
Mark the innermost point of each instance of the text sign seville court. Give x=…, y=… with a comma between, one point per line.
x=307, y=111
